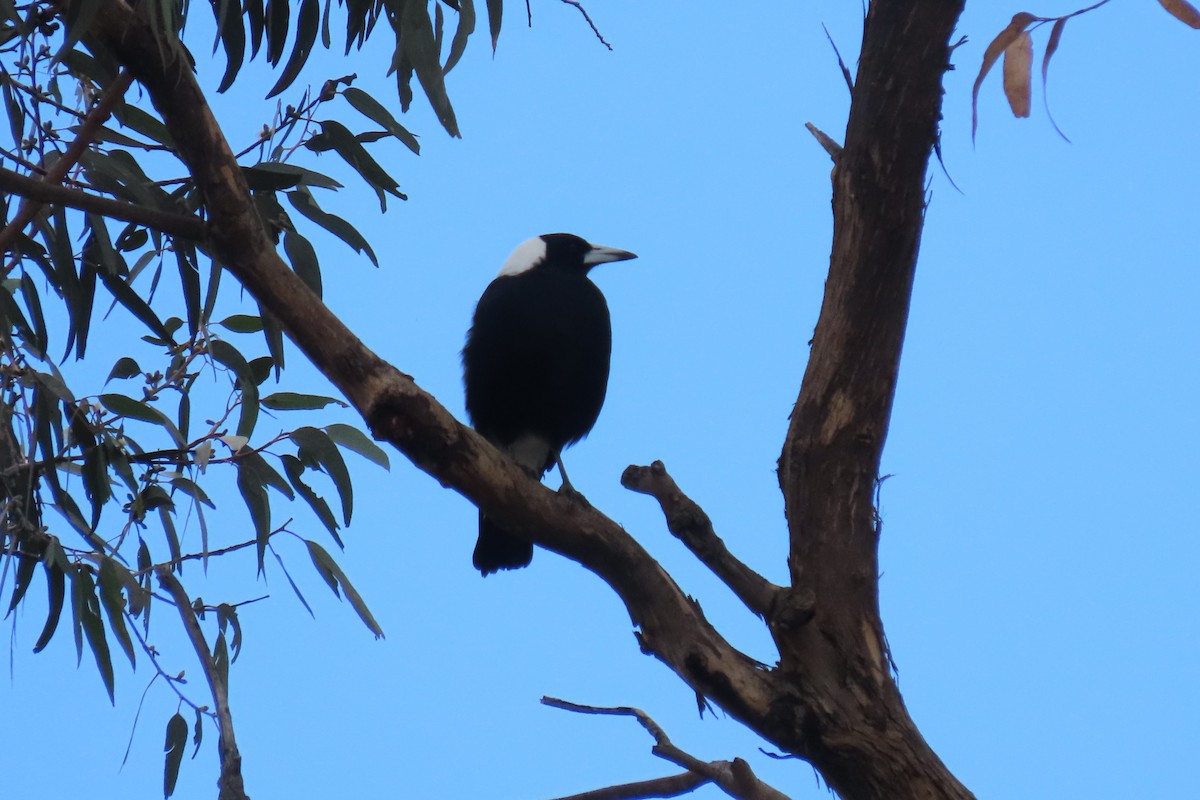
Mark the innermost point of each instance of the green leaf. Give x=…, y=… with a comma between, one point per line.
x=335, y=136
x=87, y=611
x=189, y=280
x=303, y=259
x=78, y=19
x=192, y=490
x=135, y=409
x=125, y=367
x=352, y=438
x=249, y=459
x=371, y=108
x=232, y=36
x=113, y=577
x=291, y=401
x=420, y=48
x=307, y=23
x=242, y=323
x=176, y=743
x=95, y=481
x=278, y=13
x=295, y=472
x=303, y=201
x=318, y=449
x=198, y=734
x=254, y=493
x=466, y=26
x=56, y=586
x=34, y=304
x=495, y=9
x=133, y=303
x=26, y=566
x=228, y=355
x=276, y=176
x=328, y=569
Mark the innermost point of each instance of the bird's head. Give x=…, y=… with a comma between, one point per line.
x=560, y=251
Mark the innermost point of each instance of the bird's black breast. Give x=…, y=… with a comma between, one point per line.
x=537, y=357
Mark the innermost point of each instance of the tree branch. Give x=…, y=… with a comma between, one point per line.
x=667, y=786
x=735, y=777
x=230, y=783
x=688, y=523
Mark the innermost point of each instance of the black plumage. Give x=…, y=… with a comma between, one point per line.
x=536, y=365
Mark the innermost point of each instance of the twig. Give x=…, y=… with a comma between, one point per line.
x=841, y=63
x=583, y=11
x=230, y=782
x=689, y=524
x=735, y=777
x=184, y=225
x=83, y=137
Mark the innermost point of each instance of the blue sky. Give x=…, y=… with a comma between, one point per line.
x=1039, y=537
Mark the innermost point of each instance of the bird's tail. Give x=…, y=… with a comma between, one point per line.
x=497, y=549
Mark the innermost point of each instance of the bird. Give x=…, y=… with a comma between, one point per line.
x=535, y=367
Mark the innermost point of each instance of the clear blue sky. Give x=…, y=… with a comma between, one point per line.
x=1039, y=543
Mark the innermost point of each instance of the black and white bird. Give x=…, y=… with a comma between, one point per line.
x=536, y=366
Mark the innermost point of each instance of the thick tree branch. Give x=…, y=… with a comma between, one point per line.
x=45, y=191
x=861, y=735
x=230, y=784
x=689, y=524
x=400, y=412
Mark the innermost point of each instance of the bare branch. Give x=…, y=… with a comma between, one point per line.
x=83, y=137
x=689, y=524
x=735, y=777
x=184, y=225
x=591, y=24
x=842, y=64
x=831, y=146
x=230, y=782
x=667, y=786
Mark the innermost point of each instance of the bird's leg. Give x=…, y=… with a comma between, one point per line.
x=567, y=488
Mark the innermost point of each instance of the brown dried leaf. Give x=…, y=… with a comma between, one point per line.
x=1183, y=11
x=1018, y=74
x=1019, y=23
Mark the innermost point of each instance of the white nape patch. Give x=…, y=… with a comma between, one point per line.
x=530, y=451
x=528, y=255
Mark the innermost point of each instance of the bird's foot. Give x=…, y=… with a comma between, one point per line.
x=573, y=494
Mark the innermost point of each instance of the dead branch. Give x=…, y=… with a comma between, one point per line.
x=688, y=523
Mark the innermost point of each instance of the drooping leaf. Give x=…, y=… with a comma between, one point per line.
x=176, y=743
x=995, y=49
x=419, y=46
x=303, y=201
x=232, y=35
x=352, y=438
x=1183, y=11
x=228, y=355
x=335, y=136
x=136, y=409
x=276, y=176
x=111, y=583
x=371, y=108
x=303, y=258
x=56, y=586
x=294, y=469
x=87, y=616
x=318, y=449
x=466, y=26
x=254, y=494
x=307, y=23
x=495, y=9
x=278, y=14
x=328, y=569
x=1018, y=74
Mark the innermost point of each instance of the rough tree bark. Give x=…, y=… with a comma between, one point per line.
x=831, y=699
